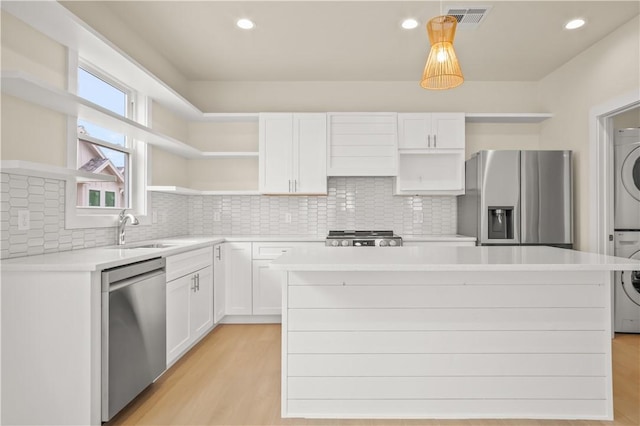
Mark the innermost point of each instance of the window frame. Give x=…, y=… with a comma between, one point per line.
x=138, y=110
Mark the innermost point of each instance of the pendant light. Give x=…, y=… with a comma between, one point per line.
x=442, y=70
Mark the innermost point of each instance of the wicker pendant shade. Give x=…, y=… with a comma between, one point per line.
x=442, y=70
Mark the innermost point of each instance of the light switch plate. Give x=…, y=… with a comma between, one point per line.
x=24, y=220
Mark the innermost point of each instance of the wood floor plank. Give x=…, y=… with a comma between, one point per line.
x=232, y=377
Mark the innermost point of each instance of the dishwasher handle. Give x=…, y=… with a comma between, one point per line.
x=126, y=283
x=118, y=275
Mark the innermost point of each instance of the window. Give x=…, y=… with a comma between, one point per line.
x=99, y=145
x=94, y=198
x=101, y=150
x=109, y=199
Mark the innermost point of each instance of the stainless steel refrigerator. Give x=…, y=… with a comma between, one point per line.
x=518, y=198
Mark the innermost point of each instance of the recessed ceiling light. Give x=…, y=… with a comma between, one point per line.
x=574, y=24
x=409, y=24
x=245, y=24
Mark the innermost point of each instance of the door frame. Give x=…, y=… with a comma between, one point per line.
x=601, y=175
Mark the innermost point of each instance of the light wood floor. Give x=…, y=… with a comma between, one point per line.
x=232, y=377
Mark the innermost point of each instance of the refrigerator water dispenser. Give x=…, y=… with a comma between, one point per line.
x=500, y=223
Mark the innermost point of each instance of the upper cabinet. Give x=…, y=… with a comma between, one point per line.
x=362, y=144
x=430, y=154
x=292, y=156
x=431, y=131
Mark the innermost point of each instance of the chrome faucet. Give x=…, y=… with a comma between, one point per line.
x=122, y=221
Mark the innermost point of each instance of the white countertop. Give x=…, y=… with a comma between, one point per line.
x=536, y=258
x=99, y=258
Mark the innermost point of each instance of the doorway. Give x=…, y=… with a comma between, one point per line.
x=602, y=121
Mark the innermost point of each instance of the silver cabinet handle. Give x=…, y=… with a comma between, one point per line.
x=295, y=185
x=429, y=143
x=434, y=142
x=198, y=282
x=219, y=255
x=193, y=283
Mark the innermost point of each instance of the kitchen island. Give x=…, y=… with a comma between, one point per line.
x=448, y=332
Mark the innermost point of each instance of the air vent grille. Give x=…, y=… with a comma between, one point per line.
x=469, y=18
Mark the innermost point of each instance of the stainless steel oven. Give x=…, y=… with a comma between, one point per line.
x=133, y=331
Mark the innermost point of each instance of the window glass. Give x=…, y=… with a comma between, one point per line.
x=94, y=158
x=109, y=199
x=97, y=148
x=94, y=198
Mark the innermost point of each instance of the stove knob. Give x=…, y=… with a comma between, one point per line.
x=383, y=243
x=393, y=243
x=357, y=244
x=335, y=243
x=344, y=243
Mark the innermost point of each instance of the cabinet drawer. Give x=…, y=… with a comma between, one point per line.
x=188, y=262
x=273, y=250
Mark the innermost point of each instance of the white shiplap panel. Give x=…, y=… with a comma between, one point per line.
x=445, y=296
x=439, y=278
x=448, y=408
x=363, y=151
x=446, y=319
x=447, y=387
x=406, y=365
x=496, y=342
x=362, y=140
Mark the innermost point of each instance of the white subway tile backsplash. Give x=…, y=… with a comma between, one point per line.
x=351, y=203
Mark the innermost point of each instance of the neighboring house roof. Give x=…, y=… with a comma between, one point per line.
x=100, y=162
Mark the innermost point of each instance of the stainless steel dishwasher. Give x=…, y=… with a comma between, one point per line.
x=133, y=331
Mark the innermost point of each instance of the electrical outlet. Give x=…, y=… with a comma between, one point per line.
x=23, y=220
x=417, y=217
x=216, y=216
x=287, y=217
x=154, y=216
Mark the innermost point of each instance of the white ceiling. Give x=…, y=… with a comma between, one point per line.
x=362, y=40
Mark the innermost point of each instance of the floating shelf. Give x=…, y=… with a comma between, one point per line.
x=188, y=191
x=224, y=154
x=27, y=168
x=507, y=117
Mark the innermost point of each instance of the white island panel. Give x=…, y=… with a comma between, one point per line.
x=442, y=340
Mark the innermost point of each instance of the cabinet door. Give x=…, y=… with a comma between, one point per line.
x=276, y=153
x=219, y=285
x=310, y=153
x=267, y=289
x=414, y=131
x=178, y=318
x=448, y=130
x=202, y=302
x=238, y=278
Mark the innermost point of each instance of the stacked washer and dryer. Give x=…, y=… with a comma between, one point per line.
x=627, y=227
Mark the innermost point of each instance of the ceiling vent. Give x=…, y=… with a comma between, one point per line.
x=469, y=18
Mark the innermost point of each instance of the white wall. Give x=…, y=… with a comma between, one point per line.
x=30, y=132
x=481, y=136
x=100, y=18
x=400, y=96
x=607, y=69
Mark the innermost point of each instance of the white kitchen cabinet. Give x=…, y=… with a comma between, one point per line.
x=189, y=299
x=431, y=156
x=267, y=289
x=292, y=153
x=238, y=278
x=362, y=144
x=219, y=283
x=429, y=173
x=431, y=130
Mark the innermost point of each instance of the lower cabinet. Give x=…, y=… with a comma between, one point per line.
x=219, y=283
x=267, y=289
x=238, y=279
x=189, y=299
x=439, y=243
